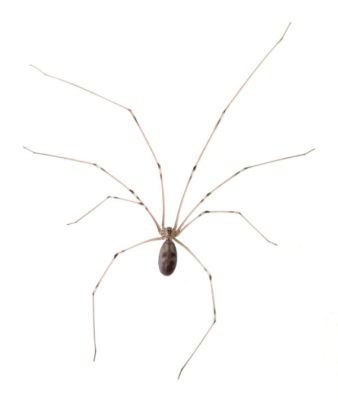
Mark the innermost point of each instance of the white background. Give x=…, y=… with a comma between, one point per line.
x=176, y=64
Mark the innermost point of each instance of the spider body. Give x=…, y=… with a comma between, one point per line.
x=167, y=259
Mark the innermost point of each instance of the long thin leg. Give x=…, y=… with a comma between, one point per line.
x=100, y=280
x=131, y=112
x=220, y=119
x=237, y=173
x=228, y=212
x=106, y=172
x=213, y=306
x=99, y=204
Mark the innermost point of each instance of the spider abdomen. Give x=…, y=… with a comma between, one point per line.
x=167, y=258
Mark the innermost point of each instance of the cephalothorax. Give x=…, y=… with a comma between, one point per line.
x=168, y=253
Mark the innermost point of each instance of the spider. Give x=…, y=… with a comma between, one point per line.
x=169, y=234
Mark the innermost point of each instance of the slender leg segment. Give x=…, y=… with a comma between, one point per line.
x=213, y=306
x=99, y=204
x=106, y=172
x=101, y=279
x=220, y=119
x=131, y=112
x=236, y=174
x=229, y=212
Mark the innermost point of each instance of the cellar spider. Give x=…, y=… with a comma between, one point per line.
x=168, y=254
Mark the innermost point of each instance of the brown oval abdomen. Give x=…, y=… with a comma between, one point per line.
x=167, y=258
